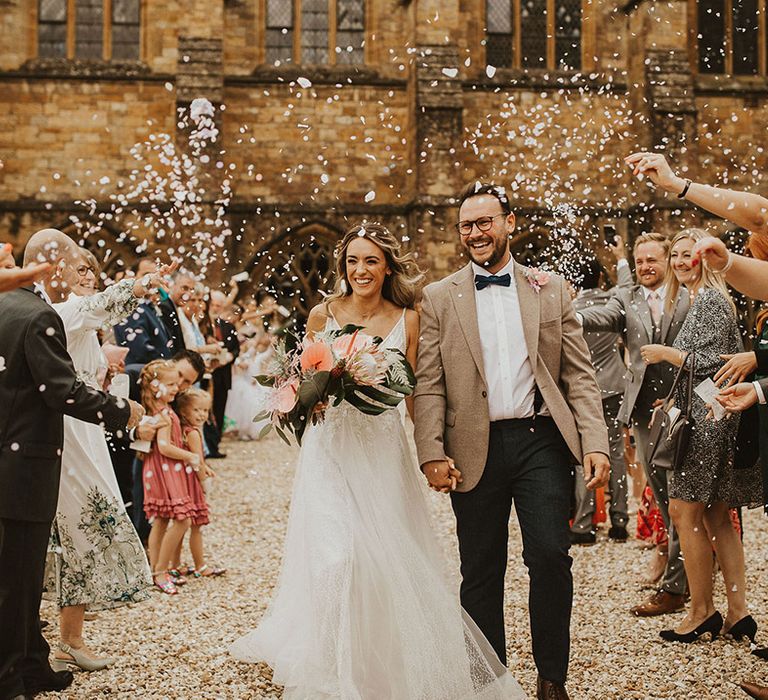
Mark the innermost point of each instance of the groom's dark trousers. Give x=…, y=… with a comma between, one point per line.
x=529, y=465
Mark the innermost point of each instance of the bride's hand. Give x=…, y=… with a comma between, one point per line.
x=442, y=475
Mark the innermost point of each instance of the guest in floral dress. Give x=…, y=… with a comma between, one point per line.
x=706, y=485
x=96, y=560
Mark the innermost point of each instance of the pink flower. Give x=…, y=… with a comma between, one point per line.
x=347, y=345
x=284, y=398
x=316, y=356
x=537, y=278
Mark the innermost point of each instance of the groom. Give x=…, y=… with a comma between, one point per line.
x=505, y=388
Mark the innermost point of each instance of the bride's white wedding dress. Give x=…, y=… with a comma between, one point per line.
x=362, y=609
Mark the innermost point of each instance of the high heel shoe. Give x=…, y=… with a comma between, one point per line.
x=713, y=624
x=79, y=659
x=746, y=627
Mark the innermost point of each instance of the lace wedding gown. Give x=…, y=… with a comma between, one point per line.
x=362, y=609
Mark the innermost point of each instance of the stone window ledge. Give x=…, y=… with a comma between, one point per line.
x=46, y=68
x=320, y=75
x=736, y=85
x=530, y=78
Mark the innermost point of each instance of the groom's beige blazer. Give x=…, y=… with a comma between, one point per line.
x=451, y=398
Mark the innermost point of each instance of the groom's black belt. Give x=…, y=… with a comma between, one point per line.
x=518, y=422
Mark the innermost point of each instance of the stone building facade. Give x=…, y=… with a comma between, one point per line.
x=329, y=111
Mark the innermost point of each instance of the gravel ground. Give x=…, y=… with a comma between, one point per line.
x=176, y=647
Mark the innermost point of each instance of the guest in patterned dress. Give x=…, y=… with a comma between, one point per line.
x=706, y=485
x=96, y=560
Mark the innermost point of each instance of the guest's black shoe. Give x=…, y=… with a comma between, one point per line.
x=713, y=624
x=583, y=538
x=618, y=533
x=547, y=690
x=746, y=627
x=48, y=681
x=217, y=455
x=761, y=654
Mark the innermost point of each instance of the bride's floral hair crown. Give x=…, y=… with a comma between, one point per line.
x=402, y=286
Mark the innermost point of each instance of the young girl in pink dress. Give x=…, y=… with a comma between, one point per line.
x=193, y=406
x=166, y=491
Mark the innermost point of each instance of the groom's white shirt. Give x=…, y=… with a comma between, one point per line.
x=508, y=370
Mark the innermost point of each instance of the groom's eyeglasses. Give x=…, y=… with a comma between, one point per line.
x=484, y=224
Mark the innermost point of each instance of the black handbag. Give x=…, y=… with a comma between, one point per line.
x=670, y=434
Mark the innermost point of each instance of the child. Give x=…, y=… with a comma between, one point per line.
x=194, y=406
x=166, y=493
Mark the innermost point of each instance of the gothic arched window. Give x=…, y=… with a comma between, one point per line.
x=89, y=29
x=315, y=32
x=728, y=36
x=533, y=34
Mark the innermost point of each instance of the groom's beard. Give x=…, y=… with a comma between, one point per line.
x=497, y=255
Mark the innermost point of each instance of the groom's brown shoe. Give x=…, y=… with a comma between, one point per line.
x=660, y=603
x=547, y=690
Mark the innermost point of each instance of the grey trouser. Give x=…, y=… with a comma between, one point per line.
x=617, y=486
x=674, y=580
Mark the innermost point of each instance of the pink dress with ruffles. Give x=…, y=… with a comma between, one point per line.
x=166, y=493
x=196, y=493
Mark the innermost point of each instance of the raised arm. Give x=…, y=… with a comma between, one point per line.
x=608, y=317
x=52, y=369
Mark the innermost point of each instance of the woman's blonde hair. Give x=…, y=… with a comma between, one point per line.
x=402, y=287
x=185, y=398
x=150, y=374
x=709, y=278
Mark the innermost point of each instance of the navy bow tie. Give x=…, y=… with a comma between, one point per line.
x=483, y=281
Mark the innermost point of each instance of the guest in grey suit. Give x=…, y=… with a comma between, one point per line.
x=610, y=372
x=638, y=314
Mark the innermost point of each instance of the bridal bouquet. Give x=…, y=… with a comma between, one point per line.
x=343, y=365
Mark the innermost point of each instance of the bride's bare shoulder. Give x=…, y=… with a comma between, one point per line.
x=318, y=317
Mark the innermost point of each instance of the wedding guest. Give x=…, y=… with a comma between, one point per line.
x=183, y=286
x=609, y=370
x=221, y=378
x=166, y=494
x=39, y=385
x=247, y=397
x=13, y=277
x=706, y=485
x=638, y=314
x=193, y=406
x=96, y=558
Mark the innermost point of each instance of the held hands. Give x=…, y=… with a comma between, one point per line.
x=442, y=475
x=736, y=369
x=148, y=428
x=738, y=398
x=597, y=470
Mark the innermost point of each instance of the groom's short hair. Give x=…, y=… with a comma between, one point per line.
x=477, y=188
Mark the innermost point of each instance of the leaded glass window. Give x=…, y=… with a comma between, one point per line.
x=745, y=37
x=568, y=34
x=711, y=16
x=52, y=29
x=533, y=33
x=126, y=16
x=314, y=31
x=279, y=39
x=350, y=31
x=89, y=29
x=498, y=41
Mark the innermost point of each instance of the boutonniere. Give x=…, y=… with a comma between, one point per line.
x=536, y=278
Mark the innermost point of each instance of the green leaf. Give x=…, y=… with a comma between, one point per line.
x=265, y=431
x=264, y=415
x=314, y=390
x=283, y=436
x=265, y=380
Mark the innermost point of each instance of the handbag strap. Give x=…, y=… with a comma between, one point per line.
x=677, y=381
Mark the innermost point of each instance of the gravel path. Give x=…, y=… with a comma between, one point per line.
x=176, y=647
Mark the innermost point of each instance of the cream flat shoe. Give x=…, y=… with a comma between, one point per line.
x=79, y=659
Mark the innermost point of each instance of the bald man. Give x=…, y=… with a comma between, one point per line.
x=38, y=386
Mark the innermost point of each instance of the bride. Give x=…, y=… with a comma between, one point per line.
x=362, y=609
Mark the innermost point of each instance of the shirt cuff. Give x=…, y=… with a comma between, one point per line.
x=622, y=262
x=760, y=393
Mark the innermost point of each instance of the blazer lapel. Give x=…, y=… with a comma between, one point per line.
x=529, y=300
x=463, y=297
x=644, y=311
x=667, y=319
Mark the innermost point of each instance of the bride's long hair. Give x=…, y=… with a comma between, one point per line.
x=402, y=287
